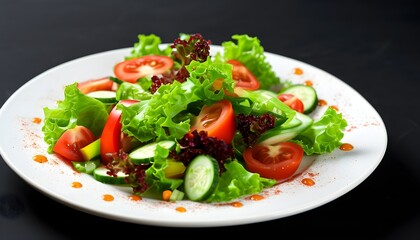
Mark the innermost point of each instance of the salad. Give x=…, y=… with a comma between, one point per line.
x=176, y=123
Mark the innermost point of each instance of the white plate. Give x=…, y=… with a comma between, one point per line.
x=334, y=174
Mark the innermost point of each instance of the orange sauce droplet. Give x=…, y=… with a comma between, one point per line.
x=322, y=102
x=180, y=209
x=255, y=197
x=346, y=147
x=135, y=198
x=108, y=197
x=335, y=108
x=36, y=120
x=76, y=185
x=298, y=71
x=236, y=204
x=308, y=181
x=40, y=158
x=308, y=83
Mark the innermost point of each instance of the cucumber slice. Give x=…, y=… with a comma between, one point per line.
x=201, y=178
x=306, y=94
x=86, y=167
x=146, y=153
x=105, y=96
x=282, y=134
x=100, y=174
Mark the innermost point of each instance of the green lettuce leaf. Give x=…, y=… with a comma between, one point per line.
x=236, y=182
x=249, y=52
x=75, y=109
x=149, y=45
x=324, y=135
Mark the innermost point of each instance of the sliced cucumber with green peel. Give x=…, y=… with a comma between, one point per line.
x=101, y=175
x=201, y=178
x=146, y=153
x=281, y=134
x=105, y=96
x=307, y=94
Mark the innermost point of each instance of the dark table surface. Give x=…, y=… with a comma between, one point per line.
x=371, y=45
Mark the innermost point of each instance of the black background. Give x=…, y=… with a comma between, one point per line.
x=371, y=45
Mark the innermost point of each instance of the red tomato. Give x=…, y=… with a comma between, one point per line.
x=293, y=102
x=133, y=69
x=71, y=141
x=243, y=77
x=96, y=85
x=111, y=134
x=218, y=120
x=279, y=161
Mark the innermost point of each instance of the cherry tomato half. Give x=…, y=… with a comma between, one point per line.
x=218, y=120
x=111, y=137
x=133, y=69
x=292, y=101
x=71, y=141
x=243, y=77
x=279, y=161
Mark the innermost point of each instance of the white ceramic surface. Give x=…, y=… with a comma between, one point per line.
x=334, y=174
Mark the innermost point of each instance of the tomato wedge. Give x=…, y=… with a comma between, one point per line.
x=133, y=69
x=93, y=85
x=243, y=77
x=292, y=101
x=218, y=120
x=279, y=161
x=71, y=141
x=111, y=141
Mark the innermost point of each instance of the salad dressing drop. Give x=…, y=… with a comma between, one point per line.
x=322, y=102
x=76, y=185
x=40, y=158
x=108, y=197
x=308, y=181
x=346, y=147
x=36, y=120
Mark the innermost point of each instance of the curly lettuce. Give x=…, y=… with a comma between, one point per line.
x=248, y=51
x=324, y=135
x=75, y=109
x=148, y=45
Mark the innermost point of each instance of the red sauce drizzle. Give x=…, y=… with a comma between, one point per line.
x=308, y=83
x=236, y=204
x=40, y=158
x=76, y=185
x=322, y=102
x=335, y=108
x=308, y=181
x=36, y=120
x=255, y=197
x=108, y=197
x=346, y=147
x=135, y=198
x=181, y=209
x=298, y=71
